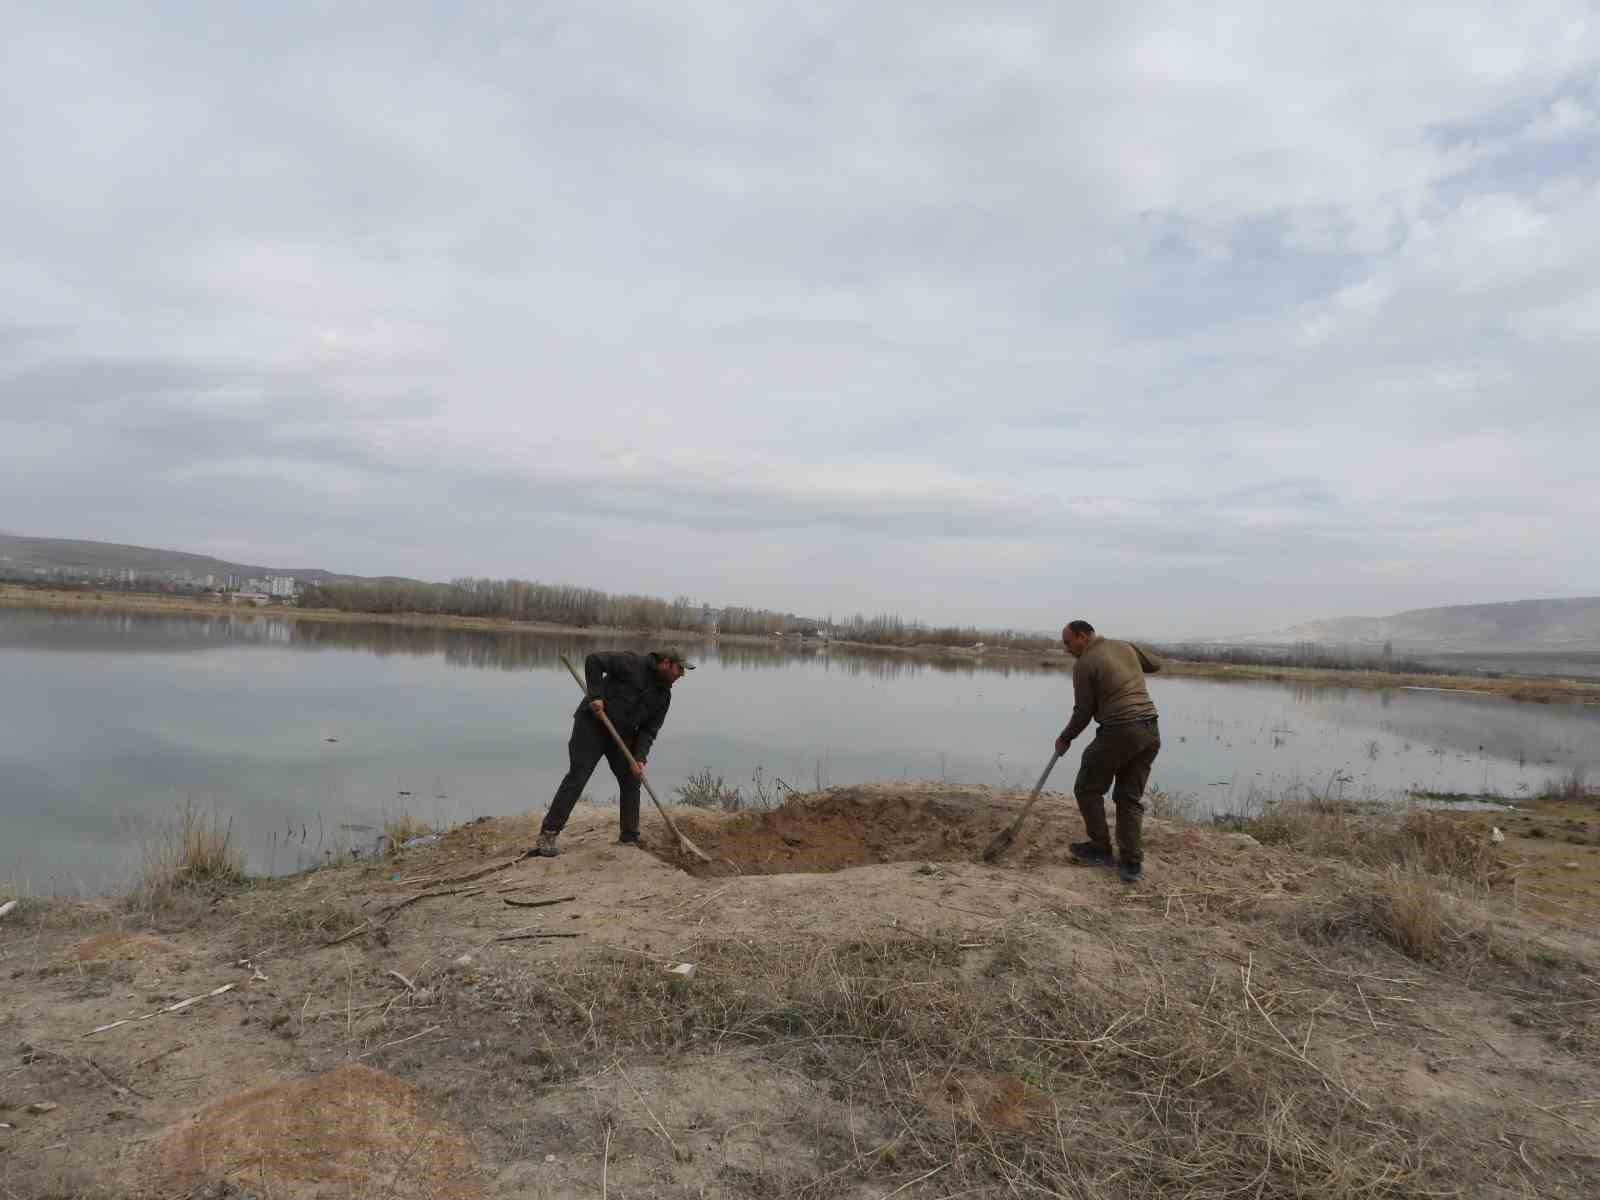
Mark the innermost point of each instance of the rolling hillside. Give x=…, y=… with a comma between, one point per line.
x=29, y=553
x=1519, y=625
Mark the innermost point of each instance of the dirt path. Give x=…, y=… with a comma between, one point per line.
x=849, y=1004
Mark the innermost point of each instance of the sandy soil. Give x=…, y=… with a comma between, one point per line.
x=393, y=1031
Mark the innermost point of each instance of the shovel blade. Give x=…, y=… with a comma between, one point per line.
x=1002, y=842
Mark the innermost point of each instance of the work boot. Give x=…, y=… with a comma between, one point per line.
x=1090, y=855
x=546, y=847
x=628, y=839
x=1130, y=872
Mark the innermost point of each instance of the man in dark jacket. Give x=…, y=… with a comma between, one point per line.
x=634, y=691
x=1108, y=687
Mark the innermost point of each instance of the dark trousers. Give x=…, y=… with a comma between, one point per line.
x=1119, y=754
x=588, y=745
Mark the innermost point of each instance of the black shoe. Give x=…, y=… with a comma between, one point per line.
x=1131, y=872
x=628, y=839
x=1091, y=855
x=546, y=846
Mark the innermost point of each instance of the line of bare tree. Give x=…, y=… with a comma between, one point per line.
x=589, y=608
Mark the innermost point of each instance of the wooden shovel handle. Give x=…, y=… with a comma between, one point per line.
x=632, y=763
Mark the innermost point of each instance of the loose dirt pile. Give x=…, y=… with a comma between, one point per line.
x=869, y=826
x=350, y=1132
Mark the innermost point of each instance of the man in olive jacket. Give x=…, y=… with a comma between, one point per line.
x=1108, y=686
x=634, y=691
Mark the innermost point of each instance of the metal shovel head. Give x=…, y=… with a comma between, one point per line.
x=1001, y=841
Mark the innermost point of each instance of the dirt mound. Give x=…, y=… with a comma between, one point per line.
x=122, y=945
x=351, y=1132
x=997, y=1101
x=863, y=826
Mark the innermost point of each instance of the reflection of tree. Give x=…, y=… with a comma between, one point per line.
x=136, y=633
x=483, y=649
x=480, y=649
x=500, y=650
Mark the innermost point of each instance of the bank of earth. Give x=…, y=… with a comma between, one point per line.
x=846, y=1003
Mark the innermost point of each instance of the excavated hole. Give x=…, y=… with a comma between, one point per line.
x=865, y=826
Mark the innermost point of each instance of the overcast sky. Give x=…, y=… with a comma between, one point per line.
x=1182, y=318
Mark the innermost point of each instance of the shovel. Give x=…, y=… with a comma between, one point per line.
x=628, y=754
x=1006, y=836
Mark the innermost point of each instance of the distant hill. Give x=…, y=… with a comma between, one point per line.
x=54, y=554
x=1519, y=625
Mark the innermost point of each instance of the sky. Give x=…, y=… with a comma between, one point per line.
x=1183, y=319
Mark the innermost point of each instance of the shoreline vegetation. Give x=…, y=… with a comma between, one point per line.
x=1232, y=664
x=1318, y=999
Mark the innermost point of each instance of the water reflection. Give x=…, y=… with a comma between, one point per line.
x=477, y=649
x=107, y=720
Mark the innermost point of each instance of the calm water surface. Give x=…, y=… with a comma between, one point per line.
x=296, y=729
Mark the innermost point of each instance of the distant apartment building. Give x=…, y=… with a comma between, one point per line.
x=281, y=587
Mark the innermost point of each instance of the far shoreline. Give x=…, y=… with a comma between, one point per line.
x=1529, y=688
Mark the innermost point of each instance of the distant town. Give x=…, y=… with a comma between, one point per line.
x=239, y=589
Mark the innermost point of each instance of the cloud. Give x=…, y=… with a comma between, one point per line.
x=1205, y=320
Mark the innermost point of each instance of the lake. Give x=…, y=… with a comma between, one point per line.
x=307, y=734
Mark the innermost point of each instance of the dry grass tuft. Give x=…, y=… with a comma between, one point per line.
x=1541, y=986
x=1378, y=836
x=705, y=790
x=1179, y=807
x=1405, y=910
x=400, y=828
x=195, y=850
x=1572, y=786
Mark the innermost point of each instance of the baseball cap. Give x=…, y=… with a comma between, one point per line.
x=674, y=654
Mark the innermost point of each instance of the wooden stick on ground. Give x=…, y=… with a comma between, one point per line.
x=628, y=755
x=535, y=903
x=171, y=1008
x=364, y=927
x=145, y=1062
x=385, y=913
x=530, y=933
